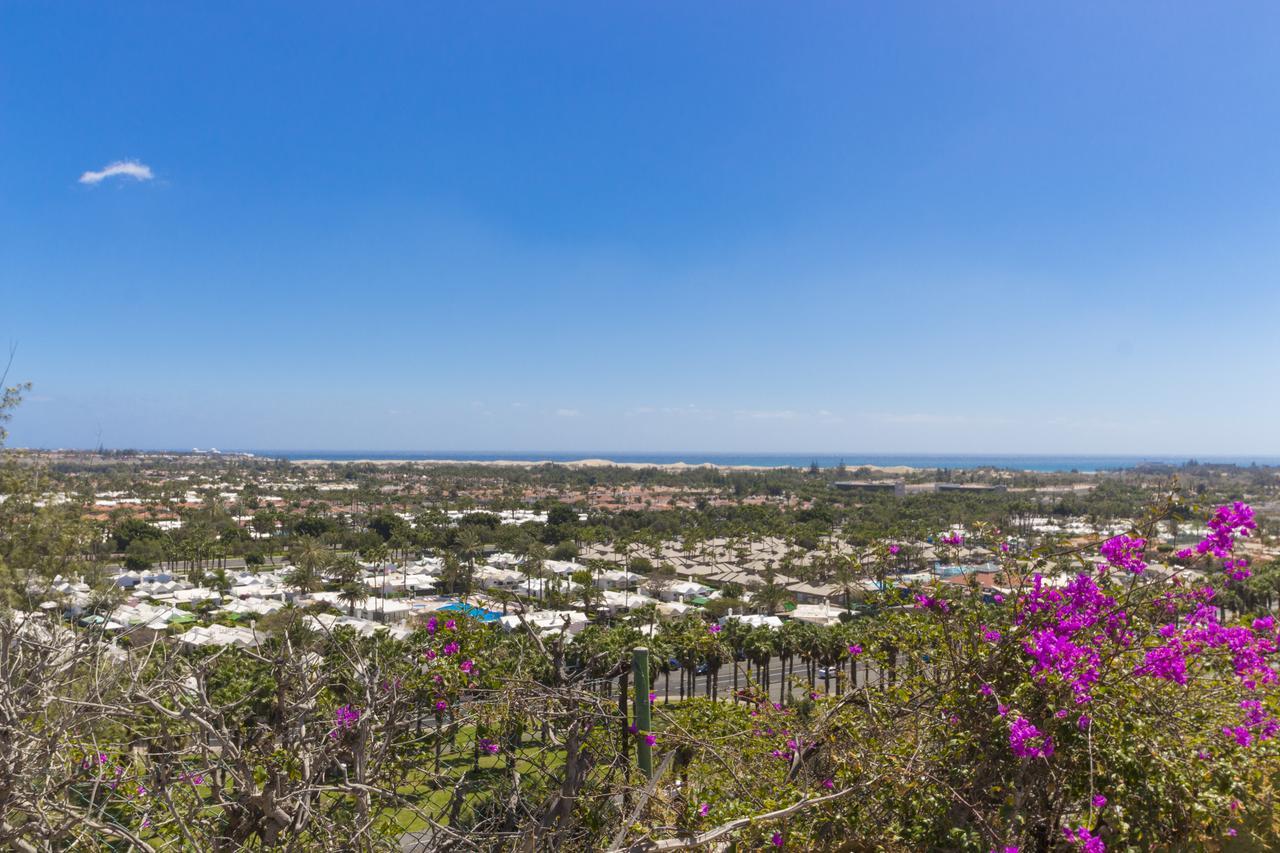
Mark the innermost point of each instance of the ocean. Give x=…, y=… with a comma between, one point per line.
x=782, y=460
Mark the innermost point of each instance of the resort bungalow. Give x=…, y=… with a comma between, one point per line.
x=753, y=620
x=817, y=614
x=561, y=567
x=616, y=602
x=546, y=621
x=618, y=579
x=491, y=577
x=681, y=591
x=809, y=593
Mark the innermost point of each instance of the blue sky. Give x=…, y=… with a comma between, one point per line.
x=722, y=226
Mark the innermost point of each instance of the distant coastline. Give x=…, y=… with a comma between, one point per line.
x=884, y=462
x=888, y=463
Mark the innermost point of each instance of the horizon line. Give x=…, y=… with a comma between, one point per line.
x=589, y=453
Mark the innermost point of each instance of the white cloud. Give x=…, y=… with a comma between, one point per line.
x=125, y=168
x=567, y=413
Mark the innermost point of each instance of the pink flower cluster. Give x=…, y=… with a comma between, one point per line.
x=954, y=539
x=925, y=602
x=346, y=717
x=1026, y=740
x=1087, y=841
x=1081, y=619
x=1257, y=725
x=1227, y=523
x=1250, y=648
x=100, y=758
x=433, y=625
x=1125, y=552
x=792, y=747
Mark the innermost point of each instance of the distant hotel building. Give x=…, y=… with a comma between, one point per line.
x=969, y=487
x=896, y=487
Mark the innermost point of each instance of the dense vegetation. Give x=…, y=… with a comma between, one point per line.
x=1097, y=705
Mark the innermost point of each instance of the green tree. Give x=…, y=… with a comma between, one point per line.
x=142, y=554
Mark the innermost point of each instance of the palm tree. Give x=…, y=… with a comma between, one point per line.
x=220, y=582
x=759, y=650
x=311, y=554
x=846, y=577
x=302, y=579
x=714, y=653
x=690, y=543
x=349, y=577
x=310, y=559
x=832, y=650
x=623, y=545
x=586, y=587
x=848, y=637
x=734, y=635
x=770, y=595
x=353, y=592
x=535, y=554
x=789, y=638
x=469, y=547
x=687, y=653
x=809, y=645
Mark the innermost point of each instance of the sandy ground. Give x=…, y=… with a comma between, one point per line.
x=579, y=463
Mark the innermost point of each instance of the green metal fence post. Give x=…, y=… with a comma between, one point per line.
x=640, y=676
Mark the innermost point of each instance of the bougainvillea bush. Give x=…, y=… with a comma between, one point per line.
x=1094, y=699
x=1105, y=703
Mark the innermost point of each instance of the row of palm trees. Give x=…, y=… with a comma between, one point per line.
x=694, y=651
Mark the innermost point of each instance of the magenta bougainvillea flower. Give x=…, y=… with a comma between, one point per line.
x=346, y=717
x=926, y=602
x=1227, y=523
x=1026, y=741
x=1125, y=552
x=1086, y=840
